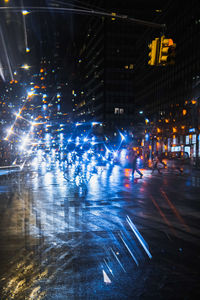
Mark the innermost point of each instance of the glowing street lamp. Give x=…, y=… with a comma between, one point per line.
x=30, y=93
x=25, y=67
x=122, y=137
x=94, y=123
x=25, y=12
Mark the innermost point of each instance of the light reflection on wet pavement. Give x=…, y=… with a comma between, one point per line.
x=102, y=238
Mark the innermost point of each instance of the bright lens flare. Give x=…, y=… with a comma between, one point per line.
x=122, y=137
x=25, y=12
x=25, y=67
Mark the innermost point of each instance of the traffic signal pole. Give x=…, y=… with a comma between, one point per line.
x=82, y=12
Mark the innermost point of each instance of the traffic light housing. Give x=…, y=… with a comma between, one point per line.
x=166, y=52
x=154, y=52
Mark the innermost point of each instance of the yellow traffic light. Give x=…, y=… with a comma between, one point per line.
x=153, y=54
x=167, y=51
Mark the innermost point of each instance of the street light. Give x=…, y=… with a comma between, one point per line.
x=25, y=12
x=25, y=67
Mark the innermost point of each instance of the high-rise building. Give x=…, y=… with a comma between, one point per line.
x=105, y=68
x=106, y=61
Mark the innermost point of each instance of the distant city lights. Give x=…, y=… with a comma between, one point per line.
x=25, y=67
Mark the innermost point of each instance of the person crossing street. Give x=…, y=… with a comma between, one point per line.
x=135, y=166
x=155, y=165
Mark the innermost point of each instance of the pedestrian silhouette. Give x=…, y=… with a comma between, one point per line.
x=160, y=160
x=135, y=166
x=155, y=165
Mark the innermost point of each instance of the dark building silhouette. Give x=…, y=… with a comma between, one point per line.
x=106, y=62
x=107, y=59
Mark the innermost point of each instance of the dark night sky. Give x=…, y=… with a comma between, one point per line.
x=42, y=27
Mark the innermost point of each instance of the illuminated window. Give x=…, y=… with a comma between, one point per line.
x=116, y=110
x=194, y=138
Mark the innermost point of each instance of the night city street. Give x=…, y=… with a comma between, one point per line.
x=99, y=150
x=113, y=239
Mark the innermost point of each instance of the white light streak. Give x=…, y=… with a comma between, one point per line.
x=139, y=237
x=129, y=250
x=118, y=260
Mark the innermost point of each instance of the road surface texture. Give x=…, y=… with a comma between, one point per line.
x=104, y=237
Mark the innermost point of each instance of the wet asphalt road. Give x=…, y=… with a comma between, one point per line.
x=104, y=237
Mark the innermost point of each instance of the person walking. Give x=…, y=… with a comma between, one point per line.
x=135, y=167
x=155, y=165
x=160, y=159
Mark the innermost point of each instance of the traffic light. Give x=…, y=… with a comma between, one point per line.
x=154, y=53
x=167, y=52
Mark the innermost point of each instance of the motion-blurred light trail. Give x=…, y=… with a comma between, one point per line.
x=115, y=255
x=108, y=267
x=139, y=237
x=131, y=253
x=163, y=216
x=6, y=55
x=175, y=211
